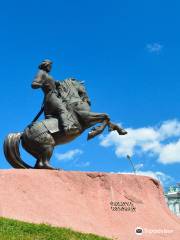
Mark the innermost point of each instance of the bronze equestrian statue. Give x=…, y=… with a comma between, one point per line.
x=67, y=112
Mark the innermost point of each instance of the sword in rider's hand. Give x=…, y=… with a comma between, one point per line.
x=38, y=115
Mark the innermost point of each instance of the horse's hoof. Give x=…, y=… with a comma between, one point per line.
x=58, y=169
x=115, y=127
x=49, y=167
x=46, y=166
x=123, y=132
x=90, y=135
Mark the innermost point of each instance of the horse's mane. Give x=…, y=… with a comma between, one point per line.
x=75, y=81
x=69, y=87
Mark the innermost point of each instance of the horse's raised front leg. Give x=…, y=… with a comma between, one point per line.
x=92, y=118
x=97, y=130
x=115, y=127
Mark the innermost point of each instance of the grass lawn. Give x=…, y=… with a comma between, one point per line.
x=17, y=230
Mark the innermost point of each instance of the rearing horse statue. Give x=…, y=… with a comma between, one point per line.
x=67, y=113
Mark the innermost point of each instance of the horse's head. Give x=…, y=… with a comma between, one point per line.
x=79, y=85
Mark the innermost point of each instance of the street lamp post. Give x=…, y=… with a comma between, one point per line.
x=129, y=158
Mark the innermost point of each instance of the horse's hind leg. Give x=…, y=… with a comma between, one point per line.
x=92, y=118
x=44, y=159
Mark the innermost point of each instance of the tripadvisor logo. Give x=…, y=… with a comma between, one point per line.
x=139, y=231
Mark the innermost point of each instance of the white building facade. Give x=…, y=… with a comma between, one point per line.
x=173, y=199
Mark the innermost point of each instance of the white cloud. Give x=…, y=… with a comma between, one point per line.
x=69, y=155
x=170, y=153
x=170, y=129
x=82, y=164
x=162, y=142
x=164, y=179
x=138, y=166
x=154, y=47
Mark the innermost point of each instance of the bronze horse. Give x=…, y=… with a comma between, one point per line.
x=40, y=137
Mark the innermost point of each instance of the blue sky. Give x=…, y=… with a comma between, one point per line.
x=127, y=52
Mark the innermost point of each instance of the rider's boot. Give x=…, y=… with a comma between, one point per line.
x=68, y=126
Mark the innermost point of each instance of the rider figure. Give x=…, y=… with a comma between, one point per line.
x=53, y=104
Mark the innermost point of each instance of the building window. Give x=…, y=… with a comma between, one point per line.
x=177, y=209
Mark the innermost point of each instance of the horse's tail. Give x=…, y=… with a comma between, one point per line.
x=11, y=151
